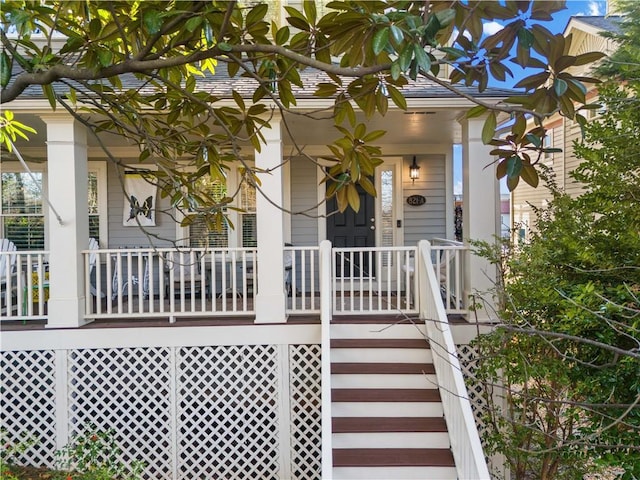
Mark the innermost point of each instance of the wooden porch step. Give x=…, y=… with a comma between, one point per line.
x=379, y=343
x=374, y=319
x=392, y=457
x=387, y=424
x=385, y=395
x=382, y=368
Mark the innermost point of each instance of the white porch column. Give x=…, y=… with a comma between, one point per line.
x=481, y=209
x=67, y=190
x=270, y=297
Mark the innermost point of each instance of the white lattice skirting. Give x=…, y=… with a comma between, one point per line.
x=214, y=412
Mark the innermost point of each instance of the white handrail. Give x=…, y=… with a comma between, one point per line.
x=326, y=310
x=463, y=433
x=24, y=285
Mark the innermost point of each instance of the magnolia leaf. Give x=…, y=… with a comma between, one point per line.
x=514, y=166
x=560, y=86
x=489, y=128
x=353, y=197
x=396, y=70
x=380, y=40
x=257, y=14
x=282, y=35
x=445, y=17
x=532, y=81
x=525, y=38
x=534, y=139
x=519, y=126
x=476, y=111
x=397, y=35
x=589, y=57
x=453, y=53
x=367, y=185
x=341, y=198
x=152, y=20
x=530, y=175
x=397, y=97
x=501, y=170
x=50, y=94
x=404, y=59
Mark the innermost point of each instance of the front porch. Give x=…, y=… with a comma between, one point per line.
x=222, y=396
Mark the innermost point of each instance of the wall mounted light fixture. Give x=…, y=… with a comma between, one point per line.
x=414, y=170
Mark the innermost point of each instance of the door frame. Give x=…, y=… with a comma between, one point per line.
x=394, y=163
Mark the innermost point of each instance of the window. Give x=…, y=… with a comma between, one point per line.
x=547, y=142
x=22, y=214
x=97, y=201
x=199, y=234
x=248, y=216
x=94, y=214
x=244, y=232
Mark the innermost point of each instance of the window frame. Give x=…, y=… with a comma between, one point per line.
x=93, y=166
x=38, y=168
x=100, y=169
x=234, y=236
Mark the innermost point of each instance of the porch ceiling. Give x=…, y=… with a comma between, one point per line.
x=415, y=127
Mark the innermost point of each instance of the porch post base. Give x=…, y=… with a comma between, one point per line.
x=66, y=313
x=270, y=309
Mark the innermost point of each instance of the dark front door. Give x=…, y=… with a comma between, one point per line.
x=353, y=229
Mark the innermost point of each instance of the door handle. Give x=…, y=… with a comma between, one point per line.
x=372, y=227
x=373, y=220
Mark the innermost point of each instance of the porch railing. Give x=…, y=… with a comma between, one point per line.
x=302, y=279
x=374, y=280
x=170, y=282
x=24, y=285
x=181, y=282
x=448, y=261
x=465, y=441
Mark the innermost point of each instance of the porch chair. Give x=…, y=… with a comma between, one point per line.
x=93, y=245
x=8, y=272
x=249, y=274
x=288, y=266
x=179, y=261
x=129, y=277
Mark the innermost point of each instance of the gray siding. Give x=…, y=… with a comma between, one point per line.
x=428, y=220
x=304, y=188
x=163, y=233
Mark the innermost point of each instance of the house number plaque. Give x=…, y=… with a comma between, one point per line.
x=416, y=200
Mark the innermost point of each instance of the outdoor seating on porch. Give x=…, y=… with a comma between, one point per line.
x=138, y=283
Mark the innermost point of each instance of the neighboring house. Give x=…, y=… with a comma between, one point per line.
x=562, y=132
x=226, y=354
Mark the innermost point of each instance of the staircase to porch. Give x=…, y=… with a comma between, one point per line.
x=388, y=419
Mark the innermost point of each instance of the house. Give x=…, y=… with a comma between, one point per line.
x=562, y=132
x=241, y=356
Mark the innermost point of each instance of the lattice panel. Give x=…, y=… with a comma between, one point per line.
x=27, y=380
x=127, y=390
x=468, y=356
x=228, y=400
x=305, y=402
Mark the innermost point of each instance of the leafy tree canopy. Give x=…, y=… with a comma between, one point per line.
x=369, y=49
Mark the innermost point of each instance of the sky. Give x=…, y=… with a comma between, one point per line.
x=557, y=25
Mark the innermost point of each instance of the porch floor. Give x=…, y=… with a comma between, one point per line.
x=19, y=325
